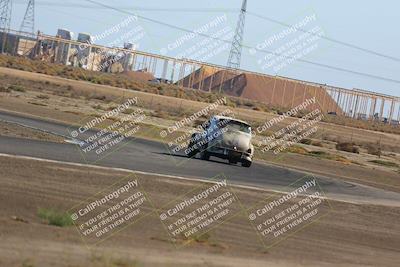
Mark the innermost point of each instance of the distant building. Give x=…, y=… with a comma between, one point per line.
x=362, y=116
x=85, y=38
x=17, y=44
x=63, y=49
x=65, y=34
x=130, y=46
x=128, y=58
x=83, y=51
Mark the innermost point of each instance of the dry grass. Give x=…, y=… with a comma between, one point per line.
x=329, y=156
x=104, y=260
x=385, y=163
x=54, y=217
x=374, y=149
x=123, y=81
x=361, y=124
x=348, y=147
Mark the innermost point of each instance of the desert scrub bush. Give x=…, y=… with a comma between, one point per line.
x=199, y=122
x=125, y=111
x=27, y=263
x=316, y=143
x=230, y=103
x=306, y=141
x=161, y=114
x=348, y=147
x=248, y=104
x=4, y=89
x=369, y=125
x=198, y=238
x=41, y=96
x=261, y=107
x=96, y=96
x=111, y=107
x=201, y=238
x=385, y=163
x=374, y=149
x=98, y=107
x=326, y=155
x=17, y=88
x=297, y=150
x=300, y=114
x=56, y=218
x=104, y=260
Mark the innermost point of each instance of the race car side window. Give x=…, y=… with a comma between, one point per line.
x=206, y=125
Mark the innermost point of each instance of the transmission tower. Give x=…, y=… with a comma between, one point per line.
x=5, y=20
x=236, y=49
x=28, y=24
x=5, y=15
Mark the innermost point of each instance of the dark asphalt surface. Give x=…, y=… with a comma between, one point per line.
x=149, y=156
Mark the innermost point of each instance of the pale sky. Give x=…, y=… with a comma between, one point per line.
x=372, y=25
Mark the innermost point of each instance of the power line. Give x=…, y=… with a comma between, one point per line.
x=249, y=47
x=72, y=15
x=138, y=8
x=327, y=38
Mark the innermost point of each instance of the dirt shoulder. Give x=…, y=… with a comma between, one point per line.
x=350, y=235
x=372, y=176
x=14, y=130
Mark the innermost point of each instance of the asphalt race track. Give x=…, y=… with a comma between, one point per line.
x=149, y=156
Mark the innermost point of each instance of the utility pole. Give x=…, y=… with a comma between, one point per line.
x=5, y=21
x=236, y=49
x=28, y=23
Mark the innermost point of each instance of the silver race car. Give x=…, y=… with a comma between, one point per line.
x=225, y=138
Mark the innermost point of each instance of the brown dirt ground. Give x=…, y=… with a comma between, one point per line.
x=376, y=177
x=13, y=130
x=350, y=235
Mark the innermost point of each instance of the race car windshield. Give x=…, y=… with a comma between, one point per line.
x=238, y=126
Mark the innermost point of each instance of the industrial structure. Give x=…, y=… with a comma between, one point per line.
x=5, y=14
x=28, y=23
x=5, y=21
x=235, y=54
x=276, y=91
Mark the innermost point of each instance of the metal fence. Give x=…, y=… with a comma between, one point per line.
x=275, y=90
